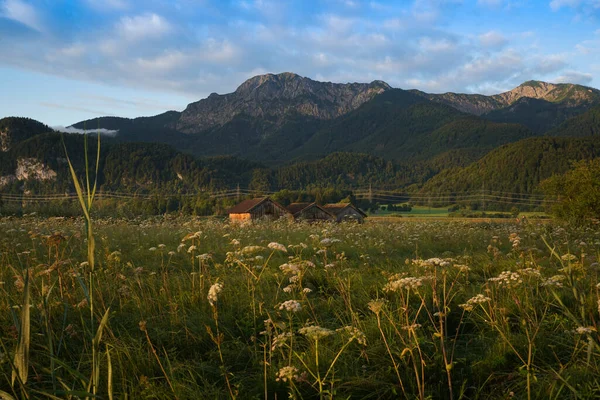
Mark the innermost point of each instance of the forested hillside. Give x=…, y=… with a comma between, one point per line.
x=516, y=167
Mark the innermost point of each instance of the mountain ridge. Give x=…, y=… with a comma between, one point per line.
x=273, y=96
x=567, y=93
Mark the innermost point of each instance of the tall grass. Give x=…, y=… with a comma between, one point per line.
x=204, y=309
x=85, y=195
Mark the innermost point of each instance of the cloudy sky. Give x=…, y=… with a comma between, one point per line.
x=62, y=61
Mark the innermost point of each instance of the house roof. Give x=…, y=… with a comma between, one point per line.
x=246, y=205
x=336, y=208
x=295, y=208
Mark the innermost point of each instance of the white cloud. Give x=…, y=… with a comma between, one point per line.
x=550, y=63
x=74, y=50
x=581, y=78
x=163, y=63
x=219, y=52
x=556, y=5
x=492, y=39
x=338, y=24
x=23, y=13
x=588, y=47
x=70, y=129
x=165, y=50
x=428, y=44
x=143, y=26
x=394, y=24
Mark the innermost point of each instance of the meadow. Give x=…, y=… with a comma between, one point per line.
x=192, y=308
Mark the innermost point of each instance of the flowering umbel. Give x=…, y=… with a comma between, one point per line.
x=213, y=293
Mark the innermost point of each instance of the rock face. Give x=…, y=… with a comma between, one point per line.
x=4, y=140
x=567, y=94
x=29, y=169
x=32, y=168
x=5, y=180
x=275, y=96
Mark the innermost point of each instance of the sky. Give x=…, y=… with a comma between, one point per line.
x=63, y=61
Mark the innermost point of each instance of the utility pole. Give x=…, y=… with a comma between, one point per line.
x=238, y=195
x=370, y=194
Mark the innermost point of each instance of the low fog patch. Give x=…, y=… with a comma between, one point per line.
x=70, y=129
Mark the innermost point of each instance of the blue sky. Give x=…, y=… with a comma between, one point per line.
x=62, y=61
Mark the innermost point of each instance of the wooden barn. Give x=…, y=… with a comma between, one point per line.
x=311, y=212
x=345, y=212
x=258, y=208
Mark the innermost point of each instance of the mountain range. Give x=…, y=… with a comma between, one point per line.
x=277, y=127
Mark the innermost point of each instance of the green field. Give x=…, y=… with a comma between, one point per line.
x=200, y=309
x=441, y=212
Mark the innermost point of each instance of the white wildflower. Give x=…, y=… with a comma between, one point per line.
x=354, y=334
x=409, y=283
x=584, y=330
x=315, y=332
x=462, y=268
x=288, y=289
x=192, y=248
x=291, y=305
x=280, y=340
x=213, y=293
x=376, y=305
x=289, y=268
x=555, y=280
x=507, y=279
x=204, y=257
x=152, y=249
x=328, y=242
x=277, y=246
x=252, y=249
x=287, y=373
x=530, y=272
x=473, y=301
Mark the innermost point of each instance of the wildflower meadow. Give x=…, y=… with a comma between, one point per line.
x=191, y=308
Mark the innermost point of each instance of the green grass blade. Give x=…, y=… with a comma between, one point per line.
x=78, y=189
x=87, y=172
x=101, y=327
x=97, y=168
x=109, y=376
x=5, y=396
x=21, y=361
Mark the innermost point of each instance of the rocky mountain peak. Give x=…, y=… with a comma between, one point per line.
x=568, y=93
x=270, y=79
x=276, y=95
x=562, y=94
x=532, y=89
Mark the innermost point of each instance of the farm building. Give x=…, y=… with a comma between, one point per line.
x=258, y=208
x=345, y=212
x=309, y=212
